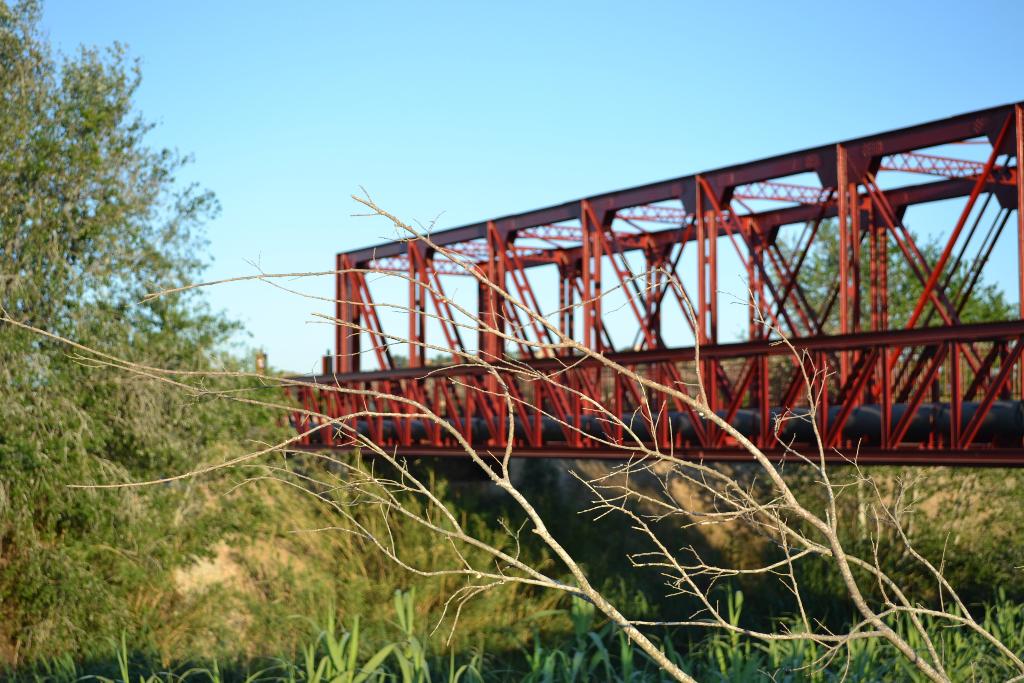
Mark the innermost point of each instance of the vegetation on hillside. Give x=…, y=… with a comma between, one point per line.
x=92, y=219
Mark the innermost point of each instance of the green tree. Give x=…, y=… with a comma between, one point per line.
x=819, y=275
x=91, y=219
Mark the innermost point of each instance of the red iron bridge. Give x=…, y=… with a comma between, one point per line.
x=920, y=387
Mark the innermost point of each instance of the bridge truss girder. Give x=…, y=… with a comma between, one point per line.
x=959, y=376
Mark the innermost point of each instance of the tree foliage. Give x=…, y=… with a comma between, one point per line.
x=92, y=219
x=819, y=279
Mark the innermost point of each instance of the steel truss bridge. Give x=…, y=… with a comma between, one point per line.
x=928, y=389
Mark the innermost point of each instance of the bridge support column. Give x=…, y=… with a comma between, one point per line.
x=707, y=268
x=592, y=222
x=346, y=310
x=568, y=274
x=1018, y=116
x=708, y=218
x=755, y=280
x=490, y=303
x=848, y=222
x=417, y=305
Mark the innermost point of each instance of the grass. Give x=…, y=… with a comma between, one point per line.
x=235, y=617
x=588, y=651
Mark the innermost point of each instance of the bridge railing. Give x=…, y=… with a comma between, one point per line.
x=942, y=394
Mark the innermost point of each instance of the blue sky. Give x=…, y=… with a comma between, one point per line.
x=473, y=110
